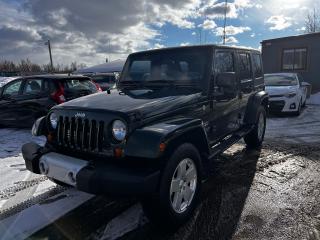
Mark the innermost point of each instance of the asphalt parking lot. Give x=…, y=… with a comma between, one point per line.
x=273, y=193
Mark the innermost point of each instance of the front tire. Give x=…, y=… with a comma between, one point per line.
x=179, y=189
x=298, y=112
x=255, y=138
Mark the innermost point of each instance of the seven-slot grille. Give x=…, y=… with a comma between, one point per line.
x=80, y=134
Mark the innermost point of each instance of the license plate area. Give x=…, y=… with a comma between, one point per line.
x=61, y=167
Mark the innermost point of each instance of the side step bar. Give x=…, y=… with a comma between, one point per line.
x=228, y=141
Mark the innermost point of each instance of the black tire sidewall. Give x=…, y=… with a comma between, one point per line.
x=252, y=139
x=161, y=209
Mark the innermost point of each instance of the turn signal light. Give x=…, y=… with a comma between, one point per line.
x=50, y=137
x=162, y=147
x=118, y=152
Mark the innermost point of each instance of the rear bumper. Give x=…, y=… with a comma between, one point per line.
x=98, y=178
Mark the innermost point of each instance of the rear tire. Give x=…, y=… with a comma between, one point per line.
x=179, y=189
x=255, y=138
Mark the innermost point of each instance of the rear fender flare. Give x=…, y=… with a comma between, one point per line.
x=255, y=101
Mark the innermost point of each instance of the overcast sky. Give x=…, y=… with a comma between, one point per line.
x=89, y=31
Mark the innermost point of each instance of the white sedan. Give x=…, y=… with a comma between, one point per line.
x=287, y=92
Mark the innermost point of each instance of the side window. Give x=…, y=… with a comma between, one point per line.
x=224, y=62
x=257, y=65
x=12, y=89
x=33, y=86
x=244, y=66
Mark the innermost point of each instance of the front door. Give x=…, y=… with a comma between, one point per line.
x=9, y=101
x=225, y=108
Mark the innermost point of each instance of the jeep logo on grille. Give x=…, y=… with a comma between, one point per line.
x=79, y=115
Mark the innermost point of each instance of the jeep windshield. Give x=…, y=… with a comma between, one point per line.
x=169, y=67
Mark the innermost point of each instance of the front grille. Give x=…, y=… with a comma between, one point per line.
x=276, y=105
x=80, y=134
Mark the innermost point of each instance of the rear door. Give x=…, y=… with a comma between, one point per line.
x=245, y=76
x=10, y=97
x=225, y=101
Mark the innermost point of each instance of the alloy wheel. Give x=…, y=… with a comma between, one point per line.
x=183, y=185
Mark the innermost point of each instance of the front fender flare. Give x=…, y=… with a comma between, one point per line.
x=145, y=142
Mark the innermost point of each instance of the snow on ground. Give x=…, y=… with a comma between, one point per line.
x=302, y=129
x=20, y=226
x=314, y=99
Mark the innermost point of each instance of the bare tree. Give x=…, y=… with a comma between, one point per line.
x=26, y=67
x=312, y=23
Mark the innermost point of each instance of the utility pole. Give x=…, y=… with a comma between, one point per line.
x=50, y=54
x=225, y=22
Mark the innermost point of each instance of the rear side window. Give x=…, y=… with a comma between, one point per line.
x=224, y=62
x=244, y=66
x=33, y=86
x=79, y=85
x=257, y=65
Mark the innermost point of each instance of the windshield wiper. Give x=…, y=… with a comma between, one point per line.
x=131, y=83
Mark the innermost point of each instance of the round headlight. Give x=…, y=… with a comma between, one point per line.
x=53, y=120
x=119, y=130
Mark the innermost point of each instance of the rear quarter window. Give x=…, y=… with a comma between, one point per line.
x=79, y=84
x=257, y=64
x=244, y=66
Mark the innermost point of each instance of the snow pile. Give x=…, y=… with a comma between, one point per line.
x=314, y=99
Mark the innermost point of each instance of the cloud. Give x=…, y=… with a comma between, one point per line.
x=231, y=40
x=158, y=45
x=302, y=29
x=279, y=22
x=184, y=44
x=87, y=31
x=193, y=33
x=216, y=9
x=208, y=24
x=231, y=30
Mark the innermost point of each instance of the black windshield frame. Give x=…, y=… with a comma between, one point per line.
x=204, y=52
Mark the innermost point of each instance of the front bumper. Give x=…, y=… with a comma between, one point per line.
x=96, y=178
x=283, y=104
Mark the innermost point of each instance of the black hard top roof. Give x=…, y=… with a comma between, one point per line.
x=198, y=46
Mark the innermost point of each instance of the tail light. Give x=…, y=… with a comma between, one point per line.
x=58, y=95
x=99, y=89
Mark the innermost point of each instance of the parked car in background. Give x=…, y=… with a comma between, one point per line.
x=287, y=92
x=158, y=133
x=106, y=81
x=24, y=99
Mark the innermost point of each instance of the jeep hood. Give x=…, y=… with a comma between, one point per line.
x=118, y=101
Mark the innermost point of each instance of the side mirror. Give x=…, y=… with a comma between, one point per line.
x=226, y=80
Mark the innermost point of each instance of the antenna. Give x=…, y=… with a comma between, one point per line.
x=225, y=22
